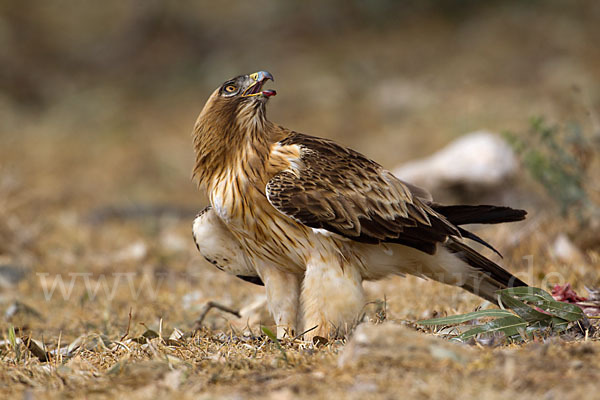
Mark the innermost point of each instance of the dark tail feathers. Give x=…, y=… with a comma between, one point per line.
x=483, y=214
x=493, y=277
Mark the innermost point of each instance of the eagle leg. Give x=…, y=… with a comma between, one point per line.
x=332, y=297
x=283, y=296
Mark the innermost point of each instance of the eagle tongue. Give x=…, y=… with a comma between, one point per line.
x=269, y=92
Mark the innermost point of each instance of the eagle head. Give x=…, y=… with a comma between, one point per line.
x=233, y=114
x=247, y=86
x=239, y=99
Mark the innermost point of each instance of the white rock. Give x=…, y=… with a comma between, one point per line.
x=479, y=159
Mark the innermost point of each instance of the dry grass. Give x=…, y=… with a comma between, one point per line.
x=80, y=183
x=229, y=357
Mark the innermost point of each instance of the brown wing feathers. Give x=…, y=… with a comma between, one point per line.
x=343, y=192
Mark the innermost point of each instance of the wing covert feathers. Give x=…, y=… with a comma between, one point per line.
x=339, y=190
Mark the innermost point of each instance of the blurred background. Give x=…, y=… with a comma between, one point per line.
x=98, y=100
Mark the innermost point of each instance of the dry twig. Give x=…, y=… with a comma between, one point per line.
x=128, y=326
x=210, y=305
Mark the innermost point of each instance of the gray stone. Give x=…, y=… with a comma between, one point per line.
x=479, y=160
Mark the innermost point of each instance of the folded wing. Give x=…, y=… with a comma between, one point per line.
x=339, y=190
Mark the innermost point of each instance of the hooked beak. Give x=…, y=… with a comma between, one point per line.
x=255, y=88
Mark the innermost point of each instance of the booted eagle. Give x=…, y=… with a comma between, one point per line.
x=311, y=219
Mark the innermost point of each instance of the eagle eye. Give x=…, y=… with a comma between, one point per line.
x=230, y=89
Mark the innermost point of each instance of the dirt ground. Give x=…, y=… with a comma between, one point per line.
x=96, y=204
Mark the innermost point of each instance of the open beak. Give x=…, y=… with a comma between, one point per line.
x=255, y=89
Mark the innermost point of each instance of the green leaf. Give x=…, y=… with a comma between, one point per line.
x=273, y=337
x=12, y=338
x=459, y=319
x=569, y=312
x=270, y=334
x=559, y=324
x=523, y=310
x=542, y=299
x=528, y=293
x=510, y=325
x=527, y=303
